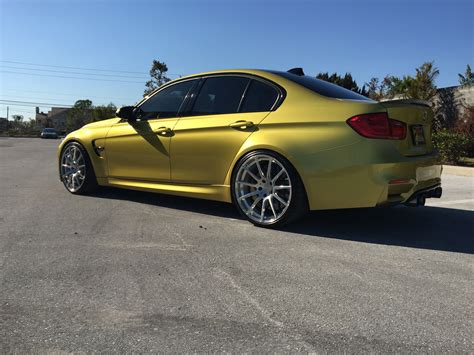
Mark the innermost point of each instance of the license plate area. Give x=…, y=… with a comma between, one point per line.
x=418, y=135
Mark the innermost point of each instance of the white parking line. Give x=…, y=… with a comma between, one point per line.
x=455, y=202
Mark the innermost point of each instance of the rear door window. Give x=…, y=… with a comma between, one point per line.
x=220, y=95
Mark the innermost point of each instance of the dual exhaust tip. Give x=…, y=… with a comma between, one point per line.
x=419, y=198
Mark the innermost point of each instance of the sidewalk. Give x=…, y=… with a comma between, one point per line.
x=458, y=170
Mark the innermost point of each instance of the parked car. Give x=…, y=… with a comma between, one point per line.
x=49, y=133
x=276, y=144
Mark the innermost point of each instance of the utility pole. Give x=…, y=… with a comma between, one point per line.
x=7, y=114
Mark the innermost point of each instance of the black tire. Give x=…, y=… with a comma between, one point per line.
x=298, y=205
x=89, y=183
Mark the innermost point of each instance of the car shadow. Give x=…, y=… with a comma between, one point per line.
x=214, y=208
x=434, y=228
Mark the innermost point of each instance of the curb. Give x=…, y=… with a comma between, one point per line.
x=458, y=170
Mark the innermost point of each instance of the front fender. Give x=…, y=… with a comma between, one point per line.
x=88, y=137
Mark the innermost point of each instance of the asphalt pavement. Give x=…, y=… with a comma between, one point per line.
x=126, y=271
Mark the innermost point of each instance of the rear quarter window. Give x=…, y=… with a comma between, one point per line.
x=259, y=97
x=322, y=87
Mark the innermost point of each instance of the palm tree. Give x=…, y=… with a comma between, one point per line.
x=468, y=77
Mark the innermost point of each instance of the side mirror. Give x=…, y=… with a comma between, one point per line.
x=126, y=112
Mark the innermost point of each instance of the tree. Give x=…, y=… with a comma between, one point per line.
x=345, y=81
x=158, y=76
x=17, y=122
x=446, y=109
x=465, y=123
x=468, y=78
x=421, y=86
x=379, y=90
x=84, y=112
x=79, y=115
x=103, y=112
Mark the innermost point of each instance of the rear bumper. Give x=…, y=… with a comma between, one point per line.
x=373, y=185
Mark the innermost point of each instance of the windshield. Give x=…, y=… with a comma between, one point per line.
x=49, y=130
x=322, y=87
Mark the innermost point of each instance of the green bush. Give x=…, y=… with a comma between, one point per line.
x=452, y=146
x=23, y=133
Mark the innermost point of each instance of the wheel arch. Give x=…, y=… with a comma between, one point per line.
x=263, y=147
x=83, y=145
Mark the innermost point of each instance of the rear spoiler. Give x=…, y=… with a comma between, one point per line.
x=408, y=101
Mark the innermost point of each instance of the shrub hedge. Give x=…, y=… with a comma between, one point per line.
x=453, y=146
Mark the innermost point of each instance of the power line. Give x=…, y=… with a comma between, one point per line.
x=27, y=103
x=33, y=97
x=17, y=110
x=79, y=68
x=72, y=72
x=71, y=77
x=75, y=95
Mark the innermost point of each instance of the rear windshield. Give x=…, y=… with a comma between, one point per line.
x=322, y=87
x=52, y=130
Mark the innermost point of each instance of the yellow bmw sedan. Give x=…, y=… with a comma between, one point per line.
x=276, y=144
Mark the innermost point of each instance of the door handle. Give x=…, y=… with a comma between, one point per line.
x=242, y=124
x=163, y=131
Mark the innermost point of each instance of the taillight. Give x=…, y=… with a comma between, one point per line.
x=398, y=130
x=378, y=125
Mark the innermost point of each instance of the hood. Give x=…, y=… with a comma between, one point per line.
x=103, y=123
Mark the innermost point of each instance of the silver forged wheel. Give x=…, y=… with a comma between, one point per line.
x=262, y=189
x=73, y=168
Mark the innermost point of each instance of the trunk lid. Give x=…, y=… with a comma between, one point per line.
x=418, y=117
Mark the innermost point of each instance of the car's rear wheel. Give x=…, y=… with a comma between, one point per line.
x=267, y=190
x=76, y=171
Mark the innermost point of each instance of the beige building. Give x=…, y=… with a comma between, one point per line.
x=55, y=118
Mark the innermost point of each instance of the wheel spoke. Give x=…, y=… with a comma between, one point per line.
x=253, y=193
x=245, y=183
x=269, y=169
x=262, y=213
x=271, y=205
x=260, y=171
x=283, y=202
x=76, y=179
x=281, y=187
x=275, y=178
x=257, y=200
x=252, y=175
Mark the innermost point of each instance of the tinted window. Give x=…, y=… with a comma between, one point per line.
x=259, y=97
x=165, y=103
x=220, y=95
x=322, y=87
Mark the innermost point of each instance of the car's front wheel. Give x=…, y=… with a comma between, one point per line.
x=76, y=171
x=267, y=190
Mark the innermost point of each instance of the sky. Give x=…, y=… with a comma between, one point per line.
x=59, y=51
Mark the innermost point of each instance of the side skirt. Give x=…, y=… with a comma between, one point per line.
x=208, y=192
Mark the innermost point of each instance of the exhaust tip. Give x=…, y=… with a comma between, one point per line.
x=421, y=200
x=438, y=192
